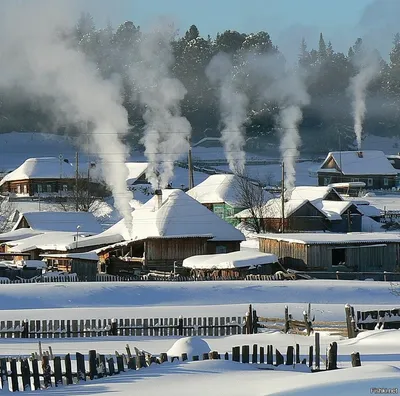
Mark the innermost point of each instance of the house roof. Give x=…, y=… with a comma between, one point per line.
x=332, y=209
x=328, y=238
x=273, y=209
x=60, y=221
x=179, y=216
x=136, y=169
x=21, y=233
x=91, y=256
x=216, y=189
x=312, y=193
x=41, y=168
x=371, y=162
x=369, y=210
x=52, y=240
x=240, y=259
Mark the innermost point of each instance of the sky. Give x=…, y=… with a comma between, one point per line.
x=287, y=21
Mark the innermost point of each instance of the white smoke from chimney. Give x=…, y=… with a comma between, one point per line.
x=233, y=107
x=41, y=65
x=368, y=65
x=287, y=88
x=167, y=133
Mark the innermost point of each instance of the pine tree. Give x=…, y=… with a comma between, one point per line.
x=322, y=53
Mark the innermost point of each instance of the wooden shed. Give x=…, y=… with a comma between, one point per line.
x=330, y=251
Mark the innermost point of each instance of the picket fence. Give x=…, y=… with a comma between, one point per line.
x=54, y=371
x=153, y=327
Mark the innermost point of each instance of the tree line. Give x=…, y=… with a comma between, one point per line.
x=327, y=122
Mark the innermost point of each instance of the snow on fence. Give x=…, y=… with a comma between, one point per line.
x=379, y=319
x=154, y=327
x=54, y=371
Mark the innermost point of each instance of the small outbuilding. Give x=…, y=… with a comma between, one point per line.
x=361, y=251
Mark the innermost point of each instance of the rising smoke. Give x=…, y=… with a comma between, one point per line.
x=42, y=65
x=287, y=88
x=233, y=107
x=368, y=66
x=167, y=133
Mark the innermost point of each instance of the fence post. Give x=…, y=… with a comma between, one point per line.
x=317, y=351
x=355, y=359
x=254, y=322
x=92, y=364
x=307, y=323
x=57, y=371
x=46, y=371
x=68, y=369
x=113, y=327
x=349, y=317
x=289, y=355
x=337, y=275
x=278, y=358
x=254, y=357
x=236, y=354
x=14, y=375
x=245, y=354
x=332, y=356
x=25, y=329
x=80, y=367
x=270, y=354
x=385, y=276
x=287, y=324
x=310, y=356
x=180, y=325
x=297, y=353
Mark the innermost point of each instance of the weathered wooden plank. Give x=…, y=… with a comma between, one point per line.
x=46, y=370
x=14, y=375
x=44, y=329
x=92, y=364
x=80, y=367
x=35, y=374
x=57, y=371
x=68, y=369
x=145, y=327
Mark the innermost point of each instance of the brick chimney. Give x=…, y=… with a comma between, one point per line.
x=158, y=194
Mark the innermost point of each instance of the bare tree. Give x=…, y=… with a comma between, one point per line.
x=6, y=214
x=87, y=196
x=251, y=195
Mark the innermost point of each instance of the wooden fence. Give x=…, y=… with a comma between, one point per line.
x=378, y=319
x=54, y=371
x=153, y=327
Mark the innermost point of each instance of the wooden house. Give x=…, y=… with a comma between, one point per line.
x=44, y=176
x=222, y=195
x=167, y=229
x=362, y=251
x=371, y=167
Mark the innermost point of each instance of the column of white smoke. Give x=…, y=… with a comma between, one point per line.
x=368, y=65
x=167, y=133
x=233, y=107
x=41, y=65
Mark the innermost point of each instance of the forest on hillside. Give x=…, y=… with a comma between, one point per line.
x=327, y=117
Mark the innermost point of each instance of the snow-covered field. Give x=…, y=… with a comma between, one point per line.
x=379, y=350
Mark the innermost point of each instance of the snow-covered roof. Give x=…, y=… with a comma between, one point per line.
x=240, y=259
x=273, y=209
x=369, y=210
x=21, y=233
x=58, y=241
x=332, y=209
x=370, y=162
x=179, y=216
x=329, y=238
x=91, y=256
x=41, y=168
x=60, y=221
x=217, y=189
x=312, y=193
x=136, y=169
x=31, y=264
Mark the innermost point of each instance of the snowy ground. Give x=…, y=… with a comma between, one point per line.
x=379, y=350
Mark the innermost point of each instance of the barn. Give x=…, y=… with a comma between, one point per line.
x=361, y=251
x=167, y=229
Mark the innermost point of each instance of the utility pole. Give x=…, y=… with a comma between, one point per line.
x=76, y=181
x=283, y=198
x=190, y=167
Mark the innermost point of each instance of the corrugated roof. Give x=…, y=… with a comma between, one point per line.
x=328, y=238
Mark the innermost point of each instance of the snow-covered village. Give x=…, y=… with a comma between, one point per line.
x=199, y=202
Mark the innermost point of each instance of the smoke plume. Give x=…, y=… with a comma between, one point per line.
x=288, y=90
x=233, y=107
x=38, y=61
x=368, y=65
x=167, y=133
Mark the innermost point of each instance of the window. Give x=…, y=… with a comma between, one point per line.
x=355, y=179
x=25, y=189
x=385, y=181
x=327, y=180
x=18, y=189
x=39, y=188
x=220, y=249
x=48, y=188
x=65, y=188
x=370, y=182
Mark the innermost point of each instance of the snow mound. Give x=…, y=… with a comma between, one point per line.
x=193, y=346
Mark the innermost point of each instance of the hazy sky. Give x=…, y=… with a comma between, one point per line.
x=287, y=21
